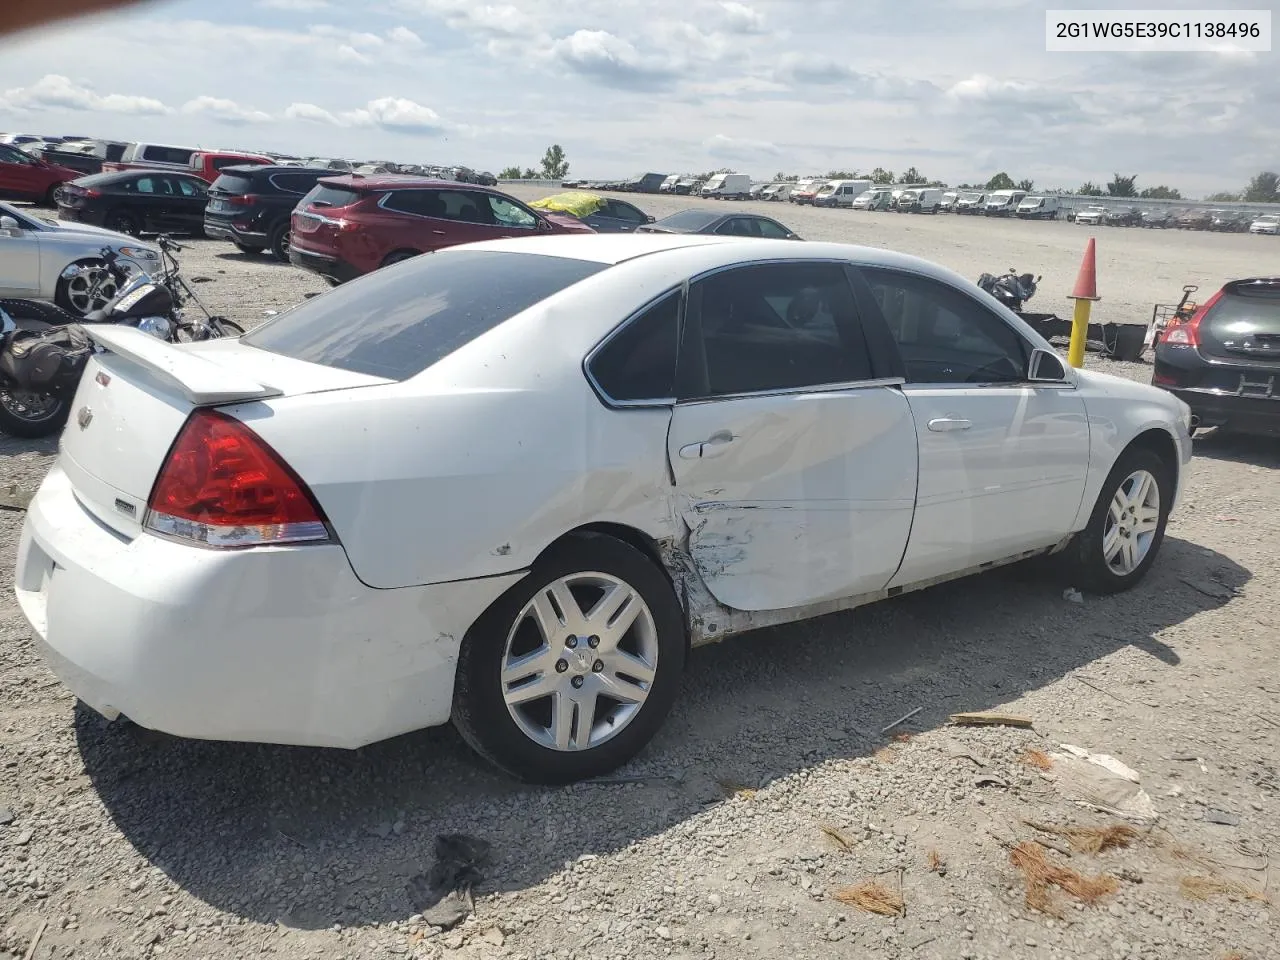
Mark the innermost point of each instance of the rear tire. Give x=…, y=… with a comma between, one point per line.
x=51, y=198
x=398, y=256
x=513, y=737
x=222, y=327
x=279, y=242
x=122, y=221
x=1116, y=550
x=26, y=414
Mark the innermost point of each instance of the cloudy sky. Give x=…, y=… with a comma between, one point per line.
x=959, y=89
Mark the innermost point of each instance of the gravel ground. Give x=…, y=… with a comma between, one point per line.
x=118, y=842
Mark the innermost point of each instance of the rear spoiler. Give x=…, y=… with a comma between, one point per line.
x=203, y=382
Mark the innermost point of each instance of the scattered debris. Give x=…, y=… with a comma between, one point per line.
x=838, y=837
x=1073, y=595
x=1041, y=874
x=989, y=780
x=493, y=936
x=937, y=864
x=1038, y=759
x=1102, y=782
x=1211, y=589
x=1089, y=839
x=443, y=894
x=988, y=719
x=6, y=816
x=884, y=754
x=874, y=898
x=1094, y=686
x=1222, y=817
x=1195, y=887
x=902, y=720
x=733, y=788
x=35, y=941
x=902, y=737
x=15, y=498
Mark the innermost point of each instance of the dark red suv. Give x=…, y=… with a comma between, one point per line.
x=351, y=225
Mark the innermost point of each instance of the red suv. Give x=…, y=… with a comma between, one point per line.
x=351, y=225
x=24, y=177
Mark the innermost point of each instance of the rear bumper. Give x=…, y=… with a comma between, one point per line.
x=277, y=645
x=222, y=230
x=326, y=266
x=1212, y=408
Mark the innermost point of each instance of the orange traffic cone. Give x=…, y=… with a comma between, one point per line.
x=1084, y=294
x=1087, y=278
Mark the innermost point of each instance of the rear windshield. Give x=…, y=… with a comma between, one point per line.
x=1247, y=311
x=398, y=321
x=322, y=195
x=233, y=183
x=689, y=220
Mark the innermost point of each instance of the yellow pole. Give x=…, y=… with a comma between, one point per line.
x=1079, y=332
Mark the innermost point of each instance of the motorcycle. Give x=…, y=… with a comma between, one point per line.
x=1012, y=289
x=43, y=348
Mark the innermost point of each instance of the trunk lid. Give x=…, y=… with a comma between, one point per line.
x=135, y=397
x=1242, y=323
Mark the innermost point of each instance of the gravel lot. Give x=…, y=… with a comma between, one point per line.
x=117, y=842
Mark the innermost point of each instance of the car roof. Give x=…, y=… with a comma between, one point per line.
x=114, y=176
x=402, y=181
x=267, y=168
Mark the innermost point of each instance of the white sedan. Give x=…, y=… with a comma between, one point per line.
x=510, y=483
x=47, y=260
x=1267, y=223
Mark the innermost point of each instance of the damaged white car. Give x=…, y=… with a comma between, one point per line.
x=511, y=483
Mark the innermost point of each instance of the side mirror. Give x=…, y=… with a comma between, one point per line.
x=1046, y=367
x=543, y=224
x=9, y=227
x=650, y=219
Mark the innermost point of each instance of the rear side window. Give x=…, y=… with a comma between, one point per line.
x=639, y=362
x=158, y=154
x=323, y=195
x=397, y=322
x=298, y=183
x=233, y=183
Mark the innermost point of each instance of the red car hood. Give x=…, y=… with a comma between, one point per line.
x=568, y=222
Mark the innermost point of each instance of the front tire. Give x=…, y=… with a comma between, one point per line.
x=571, y=672
x=1116, y=550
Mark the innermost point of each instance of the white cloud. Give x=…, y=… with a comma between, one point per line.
x=501, y=19
x=609, y=59
x=737, y=148
x=400, y=114
x=740, y=18
x=404, y=35
x=54, y=91
x=224, y=111
x=310, y=113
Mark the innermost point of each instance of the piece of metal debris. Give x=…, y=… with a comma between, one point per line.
x=1073, y=595
x=989, y=719
x=443, y=894
x=989, y=780
x=14, y=497
x=1224, y=817
x=901, y=720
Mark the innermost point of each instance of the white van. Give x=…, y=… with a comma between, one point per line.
x=1038, y=208
x=840, y=193
x=669, y=184
x=922, y=200
x=877, y=198
x=776, y=191
x=1003, y=203
x=728, y=186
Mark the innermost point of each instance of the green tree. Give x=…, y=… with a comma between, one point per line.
x=1001, y=181
x=1223, y=196
x=1121, y=186
x=1090, y=189
x=841, y=175
x=554, y=165
x=1027, y=185
x=881, y=175
x=509, y=173
x=781, y=177
x=1160, y=193
x=531, y=174
x=1264, y=188
x=912, y=175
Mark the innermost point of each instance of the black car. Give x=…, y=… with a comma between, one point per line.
x=136, y=201
x=250, y=205
x=720, y=224
x=1159, y=219
x=1224, y=362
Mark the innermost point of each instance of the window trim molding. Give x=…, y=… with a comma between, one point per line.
x=653, y=403
x=843, y=386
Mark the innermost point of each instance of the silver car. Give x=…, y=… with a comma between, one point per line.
x=48, y=260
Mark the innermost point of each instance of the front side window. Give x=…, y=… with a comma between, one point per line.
x=639, y=362
x=946, y=336
x=10, y=155
x=770, y=327
x=624, y=211
x=508, y=214
x=189, y=188
x=771, y=230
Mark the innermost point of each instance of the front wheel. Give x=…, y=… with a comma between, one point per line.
x=222, y=327
x=30, y=415
x=573, y=670
x=1126, y=529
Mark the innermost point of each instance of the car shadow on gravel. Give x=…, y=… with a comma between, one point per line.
x=312, y=837
x=261, y=257
x=1258, y=451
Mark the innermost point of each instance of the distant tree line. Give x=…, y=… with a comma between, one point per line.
x=554, y=167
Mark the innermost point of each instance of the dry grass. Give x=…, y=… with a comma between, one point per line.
x=885, y=755
x=1038, y=759
x=1205, y=888
x=1232, y=955
x=733, y=788
x=1090, y=839
x=873, y=898
x=937, y=863
x=1042, y=874
x=838, y=837
x=902, y=737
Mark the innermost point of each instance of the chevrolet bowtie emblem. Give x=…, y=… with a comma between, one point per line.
x=84, y=416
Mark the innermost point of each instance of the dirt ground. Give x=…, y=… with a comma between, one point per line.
x=771, y=790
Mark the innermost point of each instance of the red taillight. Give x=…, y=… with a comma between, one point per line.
x=244, y=200
x=1186, y=333
x=92, y=193
x=223, y=486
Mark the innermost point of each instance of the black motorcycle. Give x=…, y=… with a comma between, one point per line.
x=43, y=348
x=1012, y=289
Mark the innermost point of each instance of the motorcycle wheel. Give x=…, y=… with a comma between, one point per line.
x=30, y=415
x=222, y=327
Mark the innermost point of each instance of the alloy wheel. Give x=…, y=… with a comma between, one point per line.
x=579, y=661
x=1133, y=518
